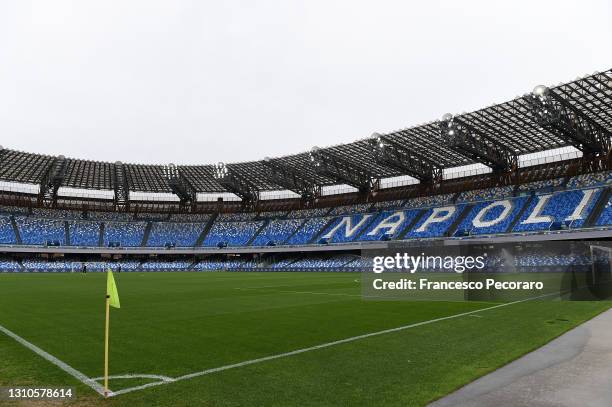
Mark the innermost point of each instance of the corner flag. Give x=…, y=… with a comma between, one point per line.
x=111, y=290
x=112, y=300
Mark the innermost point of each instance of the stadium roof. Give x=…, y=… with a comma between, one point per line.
x=510, y=124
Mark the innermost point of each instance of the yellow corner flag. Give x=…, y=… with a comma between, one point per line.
x=112, y=300
x=111, y=290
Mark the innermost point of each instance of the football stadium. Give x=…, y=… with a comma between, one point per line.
x=241, y=283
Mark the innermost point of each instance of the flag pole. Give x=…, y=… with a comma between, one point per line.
x=106, y=346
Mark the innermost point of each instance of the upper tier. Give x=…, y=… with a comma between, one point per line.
x=581, y=202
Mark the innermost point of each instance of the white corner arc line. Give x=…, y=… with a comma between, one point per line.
x=136, y=376
x=62, y=365
x=321, y=346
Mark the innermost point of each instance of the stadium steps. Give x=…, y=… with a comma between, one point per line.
x=16, y=230
x=412, y=224
x=464, y=213
x=262, y=227
x=67, y=233
x=306, y=219
x=101, y=237
x=317, y=235
x=520, y=214
x=147, y=232
x=600, y=205
x=206, y=229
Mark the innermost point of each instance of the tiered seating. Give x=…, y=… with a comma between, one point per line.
x=340, y=235
x=321, y=263
x=485, y=194
x=127, y=234
x=558, y=208
x=165, y=265
x=210, y=265
x=360, y=264
x=374, y=232
x=425, y=228
x=427, y=201
x=236, y=217
x=282, y=264
x=309, y=230
x=272, y=215
x=36, y=231
x=9, y=265
x=541, y=186
x=160, y=217
x=489, y=216
x=350, y=209
x=84, y=233
x=56, y=213
x=177, y=233
x=7, y=234
x=308, y=213
x=51, y=266
x=238, y=264
x=231, y=233
x=605, y=218
x=125, y=265
x=277, y=231
x=190, y=217
x=14, y=210
x=111, y=216
x=551, y=259
x=398, y=203
x=588, y=180
x=368, y=222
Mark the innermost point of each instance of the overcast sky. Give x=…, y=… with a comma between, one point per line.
x=195, y=82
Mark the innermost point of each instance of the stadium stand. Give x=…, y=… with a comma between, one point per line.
x=541, y=186
x=589, y=180
x=84, y=233
x=8, y=265
x=175, y=234
x=485, y=194
x=276, y=232
x=490, y=217
x=232, y=233
x=561, y=195
x=35, y=231
x=124, y=234
x=558, y=210
x=7, y=233
x=428, y=201
x=309, y=230
x=540, y=212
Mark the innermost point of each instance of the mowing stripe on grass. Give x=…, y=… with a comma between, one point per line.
x=316, y=347
x=62, y=365
x=166, y=380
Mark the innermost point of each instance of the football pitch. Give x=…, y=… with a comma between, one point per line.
x=252, y=339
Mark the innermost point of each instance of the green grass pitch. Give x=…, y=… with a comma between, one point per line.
x=174, y=324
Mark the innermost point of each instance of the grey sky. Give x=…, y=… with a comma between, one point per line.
x=196, y=82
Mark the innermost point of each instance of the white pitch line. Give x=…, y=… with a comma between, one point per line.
x=62, y=365
x=166, y=379
x=136, y=376
x=316, y=347
x=298, y=292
